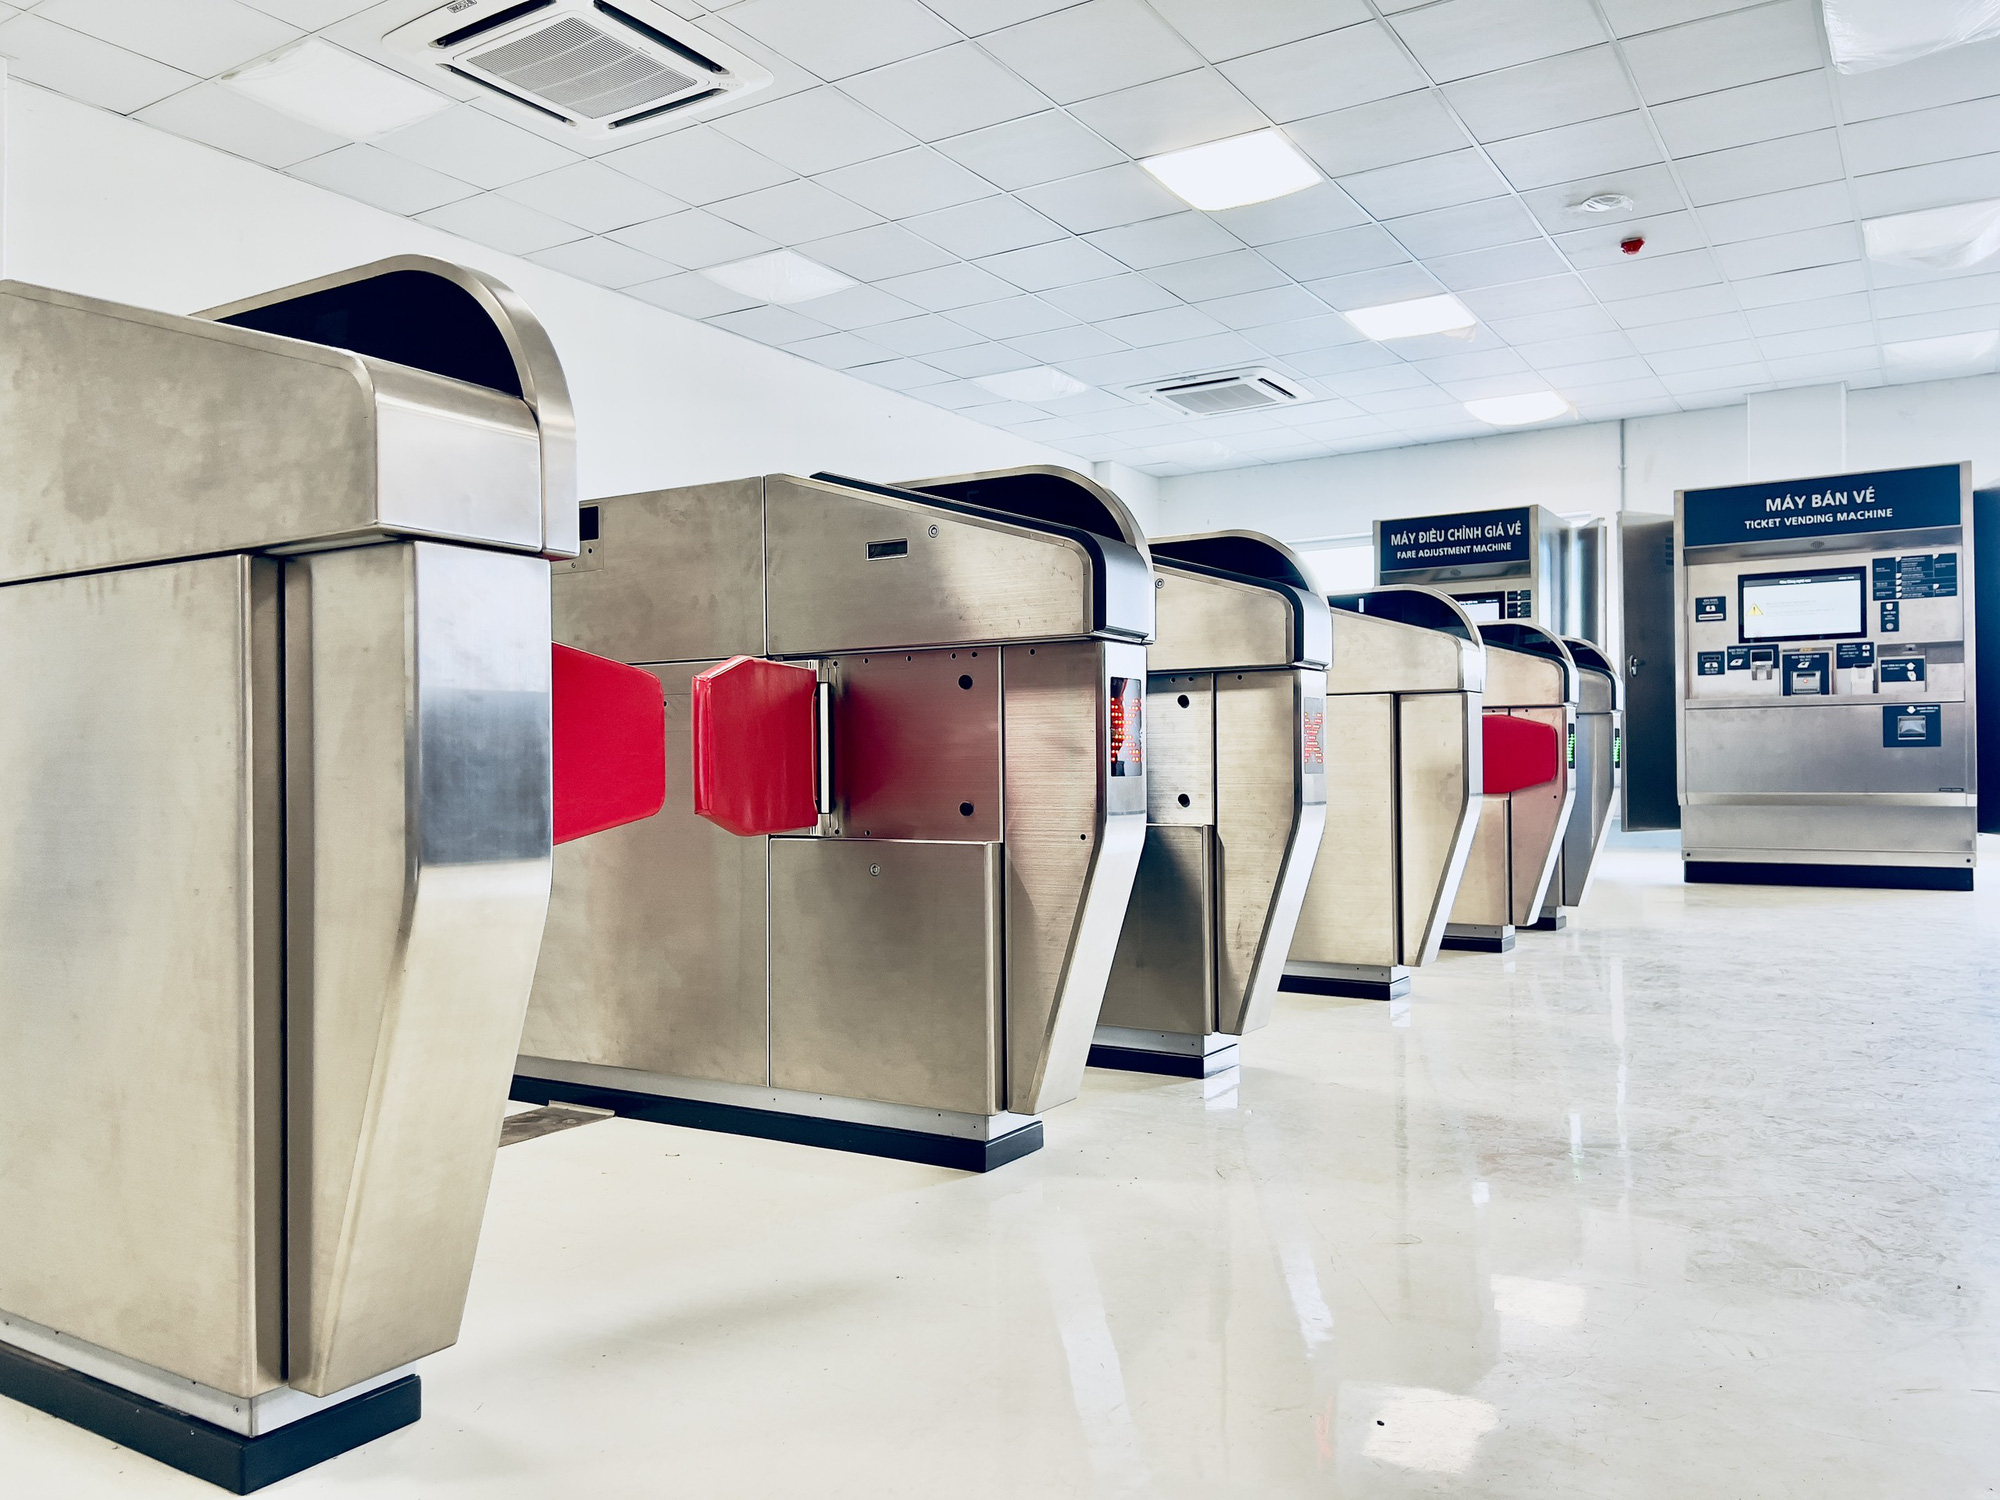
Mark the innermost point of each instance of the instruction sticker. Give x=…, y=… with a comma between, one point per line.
x=1806, y=673
x=1900, y=669
x=1737, y=658
x=1708, y=663
x=1914, y=726
x=1711, y=608
x=1855, y=653
x=1892, y=616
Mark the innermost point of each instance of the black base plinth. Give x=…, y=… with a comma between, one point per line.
x=1548, y=923
x=1350, y=989
x=897, y=1144
x=1169, y=1064
x=1863, y=877
x=227, y=1459
x=1476, y=943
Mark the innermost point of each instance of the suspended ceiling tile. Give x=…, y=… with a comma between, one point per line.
x=771, y=325
x=202, y=37
x=1223, y=29
x=1563, y=323
x=1664, y=234
x=1530, y=260
x=1469, y=226
x=1060, y=263
x=1819, y=312
x=978, y=359
x=310, y=15
x=1372, y=288
x=1965, y=291
x=1631, y=17
x=603, y=261
x=1962, y=181
x=501, y=223
x=225, y=119
x=1726, y=386
x=1343, y=359
x=923, y=335
x=1796, y=251
x=698, y=165
x=1703, y=357
x=388, y=182
x=877, y=253
x=1162, y=241
x=1593, y=149
x=1923, y=137
x=593, y=196
x=1313, y=210
x=468, y=143
x=850, y=37
x=986, y=226
x=1251, y=311
x=1541, y=95
x=1417, y=398
x=1092, y=48
x=1969, y=72
x=1462, y=37
x=1792, y=105
x=976, y=16
x=900, y=374
x=858, y=307
x=811, y=132
x=1362, y=248
x=1941, y=324
x=1742, y=46
x=1223, y=275
x=957, y=394
x=1434, y=182
x=948, y=92
x=1844, y=364
x=1188, y=109
x=946, y=287
x=1528, y=298
x=1801, y=286
x=1483, y=387
x=838, y=351
x=1583, y=349
x=793, y=212
x=1393, y=377
x=1651, y=189
x=1126, y=367
x=692, y=295
x=1328, y=72
x=1040, y=148
x=1799, y=208
x=693, y=238
x=1767, y=167
x=40, y=52
x=1466, y=366
x=1078, y=341
x=1010, y=317
x=1167, y=325
x=1103, y=199
x=1111, y=297
x=1689, y=333
x=1380, y=134
x=1825, y=340
x=1647, y=273
x=1672, y=307
x=905, y=183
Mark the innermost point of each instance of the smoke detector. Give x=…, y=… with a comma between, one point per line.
x=1225, y=392
x=608, y=71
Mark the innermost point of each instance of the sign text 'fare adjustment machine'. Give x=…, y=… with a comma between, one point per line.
x=276, y=807
x=1236, y=792
x=1403, y=717
x=882, y=917
x=1826, y=676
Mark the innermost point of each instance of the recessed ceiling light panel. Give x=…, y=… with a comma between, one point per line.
x=1518, y=411
x=1412, y=319
x=606, y=69
x=1228, y=174
x=336, y=91
x=1040, y=384
x=779, y=276
x=1936, y=239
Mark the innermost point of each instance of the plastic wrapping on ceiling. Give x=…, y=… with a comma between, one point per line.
x=1936, y=239
x=1866, y=34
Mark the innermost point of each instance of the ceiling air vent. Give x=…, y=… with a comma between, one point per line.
x=1229, y=391
x=608, y=71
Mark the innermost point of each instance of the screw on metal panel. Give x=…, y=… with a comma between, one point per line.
x=934, y=531
x=874, y=869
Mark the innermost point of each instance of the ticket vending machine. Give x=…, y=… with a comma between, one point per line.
x=1827, y=680
x=1236, y=798
x=1528, y=789
x=1595, y=758
x=879, y=908
x=276, y=811
x=1403, y=712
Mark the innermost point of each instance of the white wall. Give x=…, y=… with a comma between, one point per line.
x=99, y=204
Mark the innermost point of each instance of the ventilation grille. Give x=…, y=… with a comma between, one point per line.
x=582, y=69
x=1227, y=391
x=593, y=66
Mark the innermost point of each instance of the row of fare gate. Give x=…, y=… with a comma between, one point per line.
x=355, y=778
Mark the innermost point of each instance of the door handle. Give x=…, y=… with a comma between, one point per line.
x=1632, y=665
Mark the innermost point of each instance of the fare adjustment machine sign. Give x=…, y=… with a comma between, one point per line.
x=1496, y=563
x=1837, y=601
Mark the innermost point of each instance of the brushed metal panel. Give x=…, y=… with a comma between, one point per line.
x=1783, y=831
x=974, y=581
x=1516, y=679
x=1374, y=655
x=417, y=747
x=885, y=971
x=1163, y=978
x=1483, y=898
x=1180, y=748
x=1074, y=836
x=1269, y=820
x=917, y=744
x=655, y=951
x=140, y=997
x=1536, y=817
x=182, y=411
x=675, y=575
x=1819, y=747
x=1440, y=765
x=1590, y=819
x=1349, y=914
x=1204, y=623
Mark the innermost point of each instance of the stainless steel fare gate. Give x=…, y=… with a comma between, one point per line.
x=275, y=823
x=918, y=714
x=1236, y=794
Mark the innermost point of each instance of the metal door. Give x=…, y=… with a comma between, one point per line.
x=1646, y=553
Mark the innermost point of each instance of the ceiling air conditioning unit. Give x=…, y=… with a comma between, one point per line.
x=610, y=71
x=1225, y=392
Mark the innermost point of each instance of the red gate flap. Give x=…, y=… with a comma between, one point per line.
x=609, y=744
x=753, y=746
x=1519, y=753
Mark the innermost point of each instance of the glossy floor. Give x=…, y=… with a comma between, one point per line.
x=1699, y=1198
